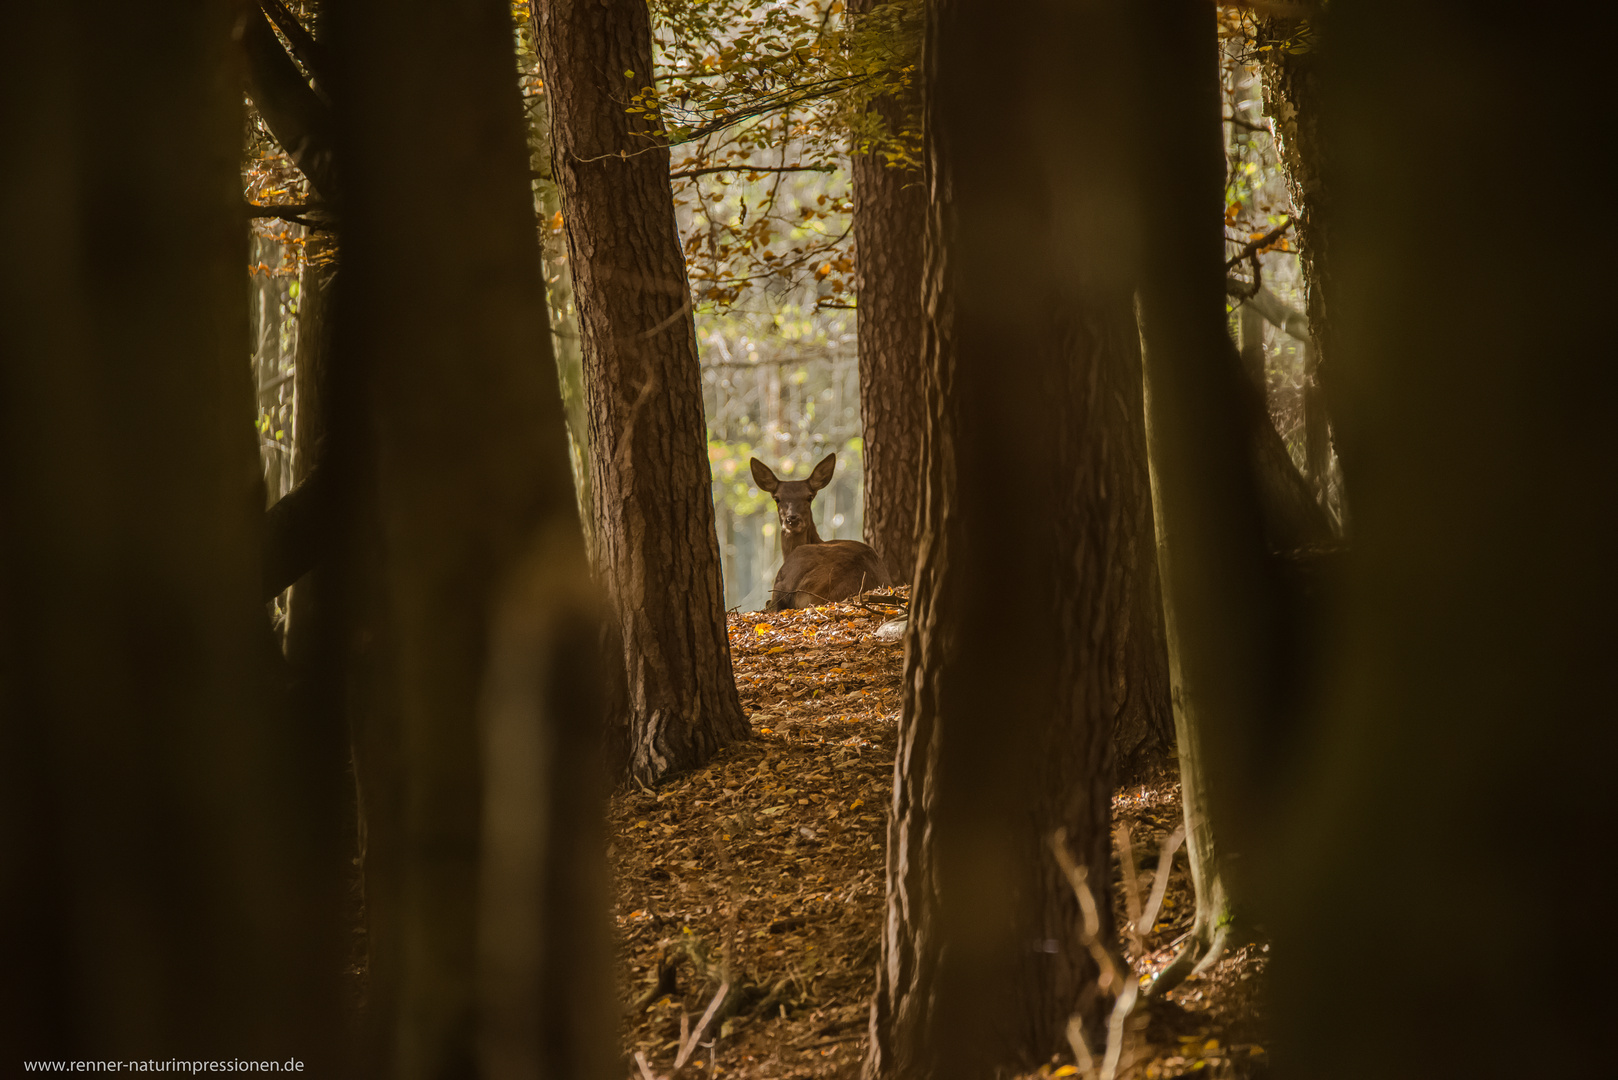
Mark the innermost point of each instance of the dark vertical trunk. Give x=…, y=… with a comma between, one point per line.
x=167, y=842
x=654, y=543
x=1222, y=602
x=449, y=450
x=890, y=221
x=1143, y=737
x=1023, y=590
x=1466, y=736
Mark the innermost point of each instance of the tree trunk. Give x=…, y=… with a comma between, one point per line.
x=1289, y=72
x=1465, y=729
x=654, y=543
x=559, y=292
x=1023, y=585
x=1143, y=736
x=308, y=436
x=168, y=843
x=467, y=662
x=1223, y=605
x=890, y=221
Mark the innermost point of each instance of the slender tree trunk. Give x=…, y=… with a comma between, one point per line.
x=1023, y=584
x=1223, y=605
x=1143, y=736
x=467, y=661
x=559, y=293
x=1289, y=71
x=167, y=841
x=654, y=542
x=1465, y=729
x=308, y=437
x=890, y=221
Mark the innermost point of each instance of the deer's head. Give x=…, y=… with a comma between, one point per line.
x=792, y=499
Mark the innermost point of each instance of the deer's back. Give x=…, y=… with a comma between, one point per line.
x=820, y=573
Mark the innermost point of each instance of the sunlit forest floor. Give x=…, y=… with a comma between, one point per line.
x=764, y=871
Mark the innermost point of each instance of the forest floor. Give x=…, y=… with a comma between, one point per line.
x=764, y=870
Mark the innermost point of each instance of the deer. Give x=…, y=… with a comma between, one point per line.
x=814, y=571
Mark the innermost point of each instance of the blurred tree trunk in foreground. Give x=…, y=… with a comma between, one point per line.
x=1023, y=586
x=466, y=635
x=170, y=846
x=1434, y=904
x=890, y=223
x=654, y=543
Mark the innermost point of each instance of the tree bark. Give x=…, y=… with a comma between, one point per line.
x=448, y=447
x=168, y=843
x=1023, y=588
x=655, y=547
x=890, y=222
x=1289, y=71
x=1464, y=733
x=1143, y=736
x=1224, y=607
x=565, y=338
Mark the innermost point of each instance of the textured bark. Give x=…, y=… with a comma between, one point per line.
x=655, y=547
x=446, y=431
x=1464, y=689
x=890, y=221
x=167, y=840
x=1023, y=585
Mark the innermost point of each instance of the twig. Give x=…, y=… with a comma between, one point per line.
x=1256, y=246
x=832, y=1041
x=645, y=1069
x=1126, y=861
x=1165, y=862
x=707, y=169
x=1116, y=977
x=702, y=1025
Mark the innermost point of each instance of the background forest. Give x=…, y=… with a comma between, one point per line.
x=406, y=669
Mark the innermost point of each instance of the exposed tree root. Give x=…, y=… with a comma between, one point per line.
x=1202, y=950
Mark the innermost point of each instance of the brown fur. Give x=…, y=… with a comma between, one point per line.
x=820, y=573
x=814, y=571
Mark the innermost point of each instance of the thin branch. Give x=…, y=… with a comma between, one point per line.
x=704, y=171
x=1256, y=246
x=769, y=104
x=1247, y=125
x=702, y=1026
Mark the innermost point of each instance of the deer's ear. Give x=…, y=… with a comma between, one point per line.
x=763, y=476
x=822, y=474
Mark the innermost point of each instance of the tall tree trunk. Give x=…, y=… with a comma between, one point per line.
x=449, y=450
x=168, y=844
x=559, y=291
x=1465, y=731
x=1289, y=71
x=890, y=222
x=1023, y=590
x=1143, y=737
x=303, y=637
x=1223, y=605
x=654, y=543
